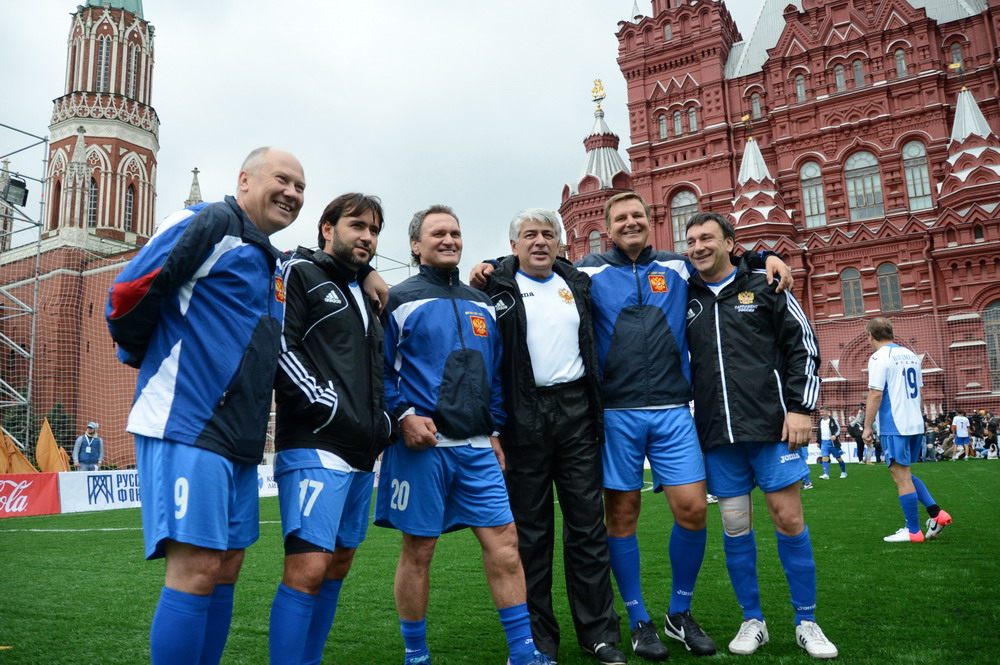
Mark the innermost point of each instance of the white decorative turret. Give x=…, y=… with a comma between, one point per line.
x=194, y=197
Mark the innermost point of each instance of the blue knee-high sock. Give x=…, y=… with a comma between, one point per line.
x=741, y=562
x=796, y=554
x=806, y=478
x=323, y=613
x=220, y=616
x=624, y=555
x=687, y=550
x=910, y=512
x=843, y=465
x=826, y=467
x=517, y=626
x=291, y=613
x=178, y=614
x=923, y=494
x=414, y=638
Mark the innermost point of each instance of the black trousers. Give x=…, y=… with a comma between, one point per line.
x=571, y=459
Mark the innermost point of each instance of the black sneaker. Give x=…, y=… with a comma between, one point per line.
x=646, y=643
x=607, y=653
x=682, y=626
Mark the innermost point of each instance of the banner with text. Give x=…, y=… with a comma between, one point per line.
x=23, y=494
x=81, y=491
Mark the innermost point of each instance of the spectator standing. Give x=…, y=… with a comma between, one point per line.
x=88, y=451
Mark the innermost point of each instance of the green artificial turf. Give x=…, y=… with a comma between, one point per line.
x=71, y=592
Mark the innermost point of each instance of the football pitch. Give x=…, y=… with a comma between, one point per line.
x=75, y=588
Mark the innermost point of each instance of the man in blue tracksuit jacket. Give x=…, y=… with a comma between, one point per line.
x=443, y=383
x=640, y=300
x=198, y=311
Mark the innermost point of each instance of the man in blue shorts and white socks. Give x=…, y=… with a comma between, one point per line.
x=829, y=443
x=754, y=360
x=330, y=424
x=443, y=383
x=198, y=311
x=894, y=383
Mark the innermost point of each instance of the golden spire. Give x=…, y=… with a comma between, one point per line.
x=598, y=93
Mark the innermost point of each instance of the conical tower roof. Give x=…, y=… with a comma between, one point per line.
x=603, y=161
x=753, y=166
x=194, y=197
x=969, y=120
x=133, y=6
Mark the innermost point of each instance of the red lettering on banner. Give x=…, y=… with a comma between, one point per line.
x=23, y=494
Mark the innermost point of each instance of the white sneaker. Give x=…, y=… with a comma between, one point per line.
x=711, y=498
x=843, y=474
x=824, y=477
x=904, y=536
x=811, y=638
x=807, y=486
x=751, y=636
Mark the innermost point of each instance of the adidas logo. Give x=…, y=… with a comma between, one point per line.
x=332, y=297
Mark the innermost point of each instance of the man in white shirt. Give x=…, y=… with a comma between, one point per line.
x=960, y=426
x=829, y=443
x=894, y=382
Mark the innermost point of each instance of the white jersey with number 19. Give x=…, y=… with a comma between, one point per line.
x=895, y=370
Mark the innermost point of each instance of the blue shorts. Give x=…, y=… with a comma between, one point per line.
x=735, y=469
x=666, y=437
x=195, y=496
x=904, y=450
x=962, y=440
x=434, y=491
x=325, y=507
x=827, y=447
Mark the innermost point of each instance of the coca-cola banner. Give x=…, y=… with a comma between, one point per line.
x=23, y=494
x=81, y=491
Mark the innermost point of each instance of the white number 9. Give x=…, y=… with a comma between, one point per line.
x=181, y=498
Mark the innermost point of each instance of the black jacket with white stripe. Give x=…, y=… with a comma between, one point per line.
x=328, y=388
x=754, y=357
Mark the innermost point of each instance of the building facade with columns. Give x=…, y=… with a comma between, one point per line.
x=858, y=138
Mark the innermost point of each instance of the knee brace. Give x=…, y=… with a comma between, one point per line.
x=737, y=515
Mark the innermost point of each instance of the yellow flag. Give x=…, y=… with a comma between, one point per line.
x=48, y=452
x=12, y=460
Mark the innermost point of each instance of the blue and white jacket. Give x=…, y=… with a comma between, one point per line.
x=198, y=311
x=640, y=313
x=443, y=353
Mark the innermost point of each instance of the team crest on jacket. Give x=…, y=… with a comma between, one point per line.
x=478, y=326
x=746, y=302
x=658, y=283
x=279, y=289
x=566, y=295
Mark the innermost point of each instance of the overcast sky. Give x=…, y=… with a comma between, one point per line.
x=479, y=105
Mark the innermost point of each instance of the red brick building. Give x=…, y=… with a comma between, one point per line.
x=100, y=196
x=858, y=138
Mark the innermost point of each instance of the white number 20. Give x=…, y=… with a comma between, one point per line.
x=400, y=495
x=181, y=498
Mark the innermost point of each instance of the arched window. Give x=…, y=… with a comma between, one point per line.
x=668, y=33
x=103, y=63
x=839, y=79
x=800, y=88
x=755, y=111
x=918, y=181
x=850, y=290
x=813, y=202
x=859, y=73
x=956, y=54
x=692, y=119
x=55, y=202
x=864, y=186
x=594, y=242
x=129, y=207
x=683, y=206
x=991, y=328
x=663, y=126
x=900, y=56
x=133, y=65
x=677, y=123
x=888, y=288
x=92, y=203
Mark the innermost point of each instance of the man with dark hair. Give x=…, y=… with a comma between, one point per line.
x=554, y=431
x=443, y=383
x=894, y=372
x=198, y=311
x=331, y=423
x=754, y=359
x=828, y=438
